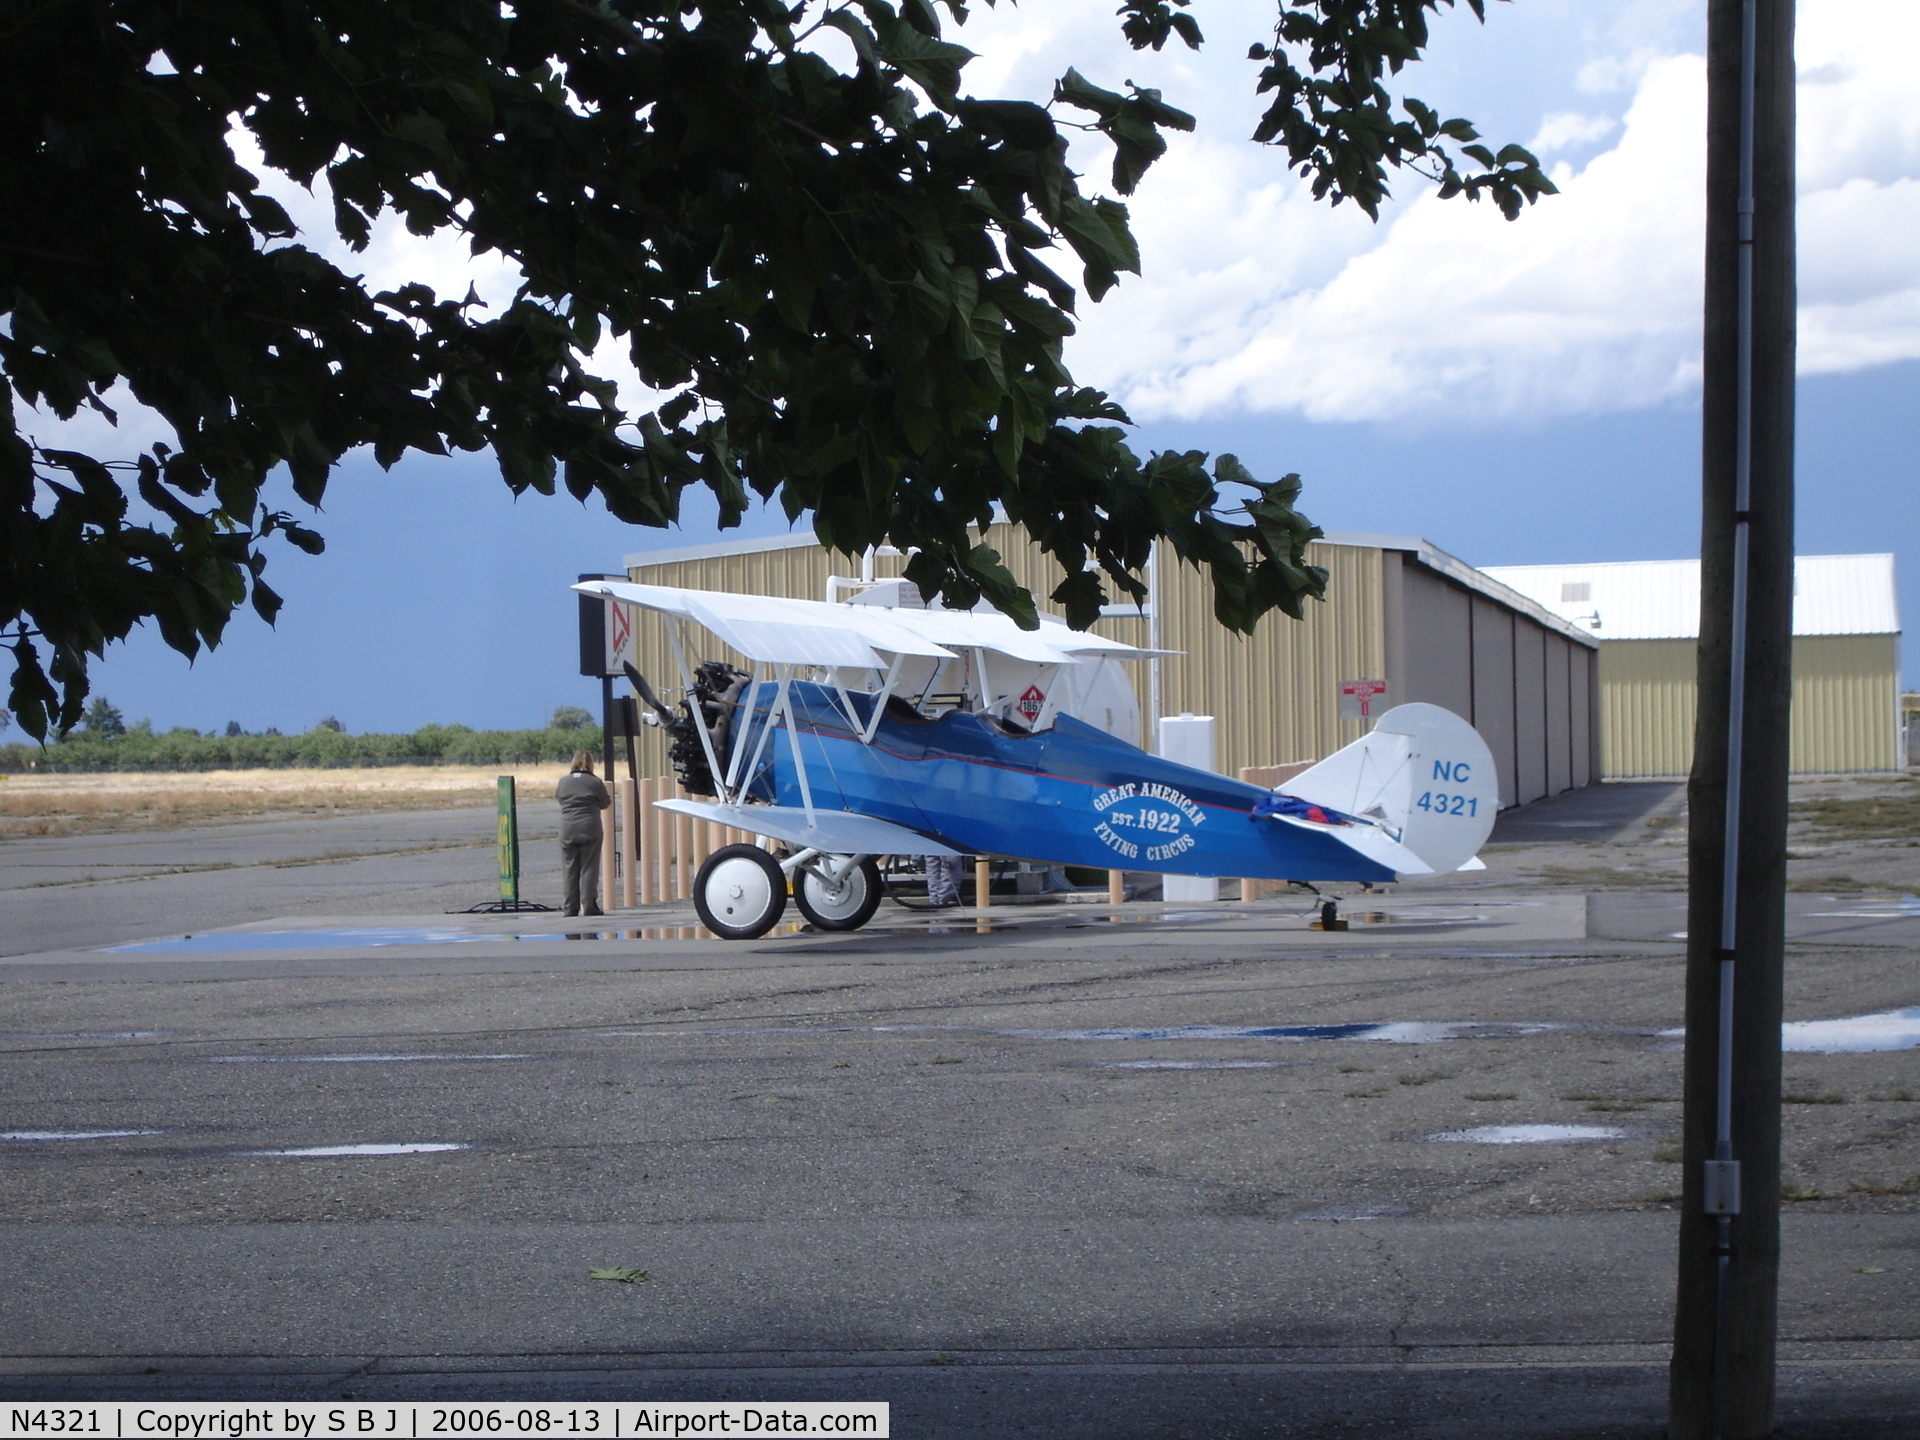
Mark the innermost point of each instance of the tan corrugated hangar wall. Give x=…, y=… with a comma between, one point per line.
x=1846, y=699
x=1846, y=704
x=1648, y=690
x=1274, y=694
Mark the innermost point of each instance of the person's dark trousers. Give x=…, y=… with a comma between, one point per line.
x=580, y=859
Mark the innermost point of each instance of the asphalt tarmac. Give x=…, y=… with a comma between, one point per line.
x=1159, y=1171
x=89, y=890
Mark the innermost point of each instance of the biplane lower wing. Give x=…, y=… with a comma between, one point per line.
x=838, y=832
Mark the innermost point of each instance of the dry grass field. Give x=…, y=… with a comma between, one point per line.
x=1847, y=834
x=85, y=804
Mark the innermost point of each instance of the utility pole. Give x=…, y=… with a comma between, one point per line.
x=1722, y=1376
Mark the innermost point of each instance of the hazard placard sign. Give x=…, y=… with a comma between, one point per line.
x=1362, y=699
x=619, y=636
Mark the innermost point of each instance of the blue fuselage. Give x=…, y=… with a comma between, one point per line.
x=1069, y=795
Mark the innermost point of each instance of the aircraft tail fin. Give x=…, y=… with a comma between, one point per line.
x=1423, y=776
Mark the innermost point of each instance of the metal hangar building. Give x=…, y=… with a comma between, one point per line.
x=1646, y=616
x=1398, y=610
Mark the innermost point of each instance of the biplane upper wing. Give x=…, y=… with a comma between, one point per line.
x=780, y=632
x=1054, y=643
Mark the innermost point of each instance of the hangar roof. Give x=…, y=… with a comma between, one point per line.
x=1660, y=599
x=1494, y=587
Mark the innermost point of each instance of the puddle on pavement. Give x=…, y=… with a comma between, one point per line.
x=345, y=1059
x=355, y=939
x=1416, y=1032
x=1904, y=907
x=74, y=1134
x=1193, y=1064
x=950, y=926
x=92, y=1035
x=1337, y=1213
x=1850, y=1035
x=1428, y=915
x=323, y=1152
x=660, y=932
x=372, y=937
x=1858, y=1034
x=1531, y=1134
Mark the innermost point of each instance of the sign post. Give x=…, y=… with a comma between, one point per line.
x=508, y=844
x=1362, y=699
x=506, y=856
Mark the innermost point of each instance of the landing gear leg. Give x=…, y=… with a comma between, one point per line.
x=837, y=892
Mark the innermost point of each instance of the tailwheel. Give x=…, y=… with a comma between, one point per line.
x=740, y=892
x=844, y=900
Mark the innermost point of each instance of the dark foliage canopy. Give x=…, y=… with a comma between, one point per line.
x=848, y=284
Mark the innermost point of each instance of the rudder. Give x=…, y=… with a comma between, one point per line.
x=1423, y=773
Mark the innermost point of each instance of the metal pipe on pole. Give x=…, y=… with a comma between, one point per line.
x=1722, y=1374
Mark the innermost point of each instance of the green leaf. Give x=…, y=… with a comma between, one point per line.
x=1075, y=89
x=426, y=131
x=619, y=1273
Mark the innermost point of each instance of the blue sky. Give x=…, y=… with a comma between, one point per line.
x=1516, y=394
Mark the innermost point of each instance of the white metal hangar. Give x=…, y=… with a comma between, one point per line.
x=1646, y=616
x=1400, y=614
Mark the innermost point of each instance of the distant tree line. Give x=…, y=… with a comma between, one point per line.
x=105, y=741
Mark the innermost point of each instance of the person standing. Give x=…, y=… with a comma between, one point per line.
x=582, y=796
x=943, y=880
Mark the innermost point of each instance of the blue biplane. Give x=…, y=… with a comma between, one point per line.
x=862, y=731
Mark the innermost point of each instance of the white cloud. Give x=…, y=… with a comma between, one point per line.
x=1860, y=299
x=1566, y=130
x=1252, y=300
x=1450, y=308
x=1611, y=74
x=1857, y=114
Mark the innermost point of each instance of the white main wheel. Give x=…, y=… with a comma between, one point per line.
x=847, y=906
x=740, y=892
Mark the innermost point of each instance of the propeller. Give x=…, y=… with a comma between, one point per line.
x=645, y=692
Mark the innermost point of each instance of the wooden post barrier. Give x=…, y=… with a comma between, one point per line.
x=682, y=851
x=1116, y=887
x=982, y=882
x=663, y=840
x=643, y=826
x=608, y=836
x=630, y=847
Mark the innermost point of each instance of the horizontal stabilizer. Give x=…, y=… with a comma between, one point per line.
x=1375, y=844
x=838, y=832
